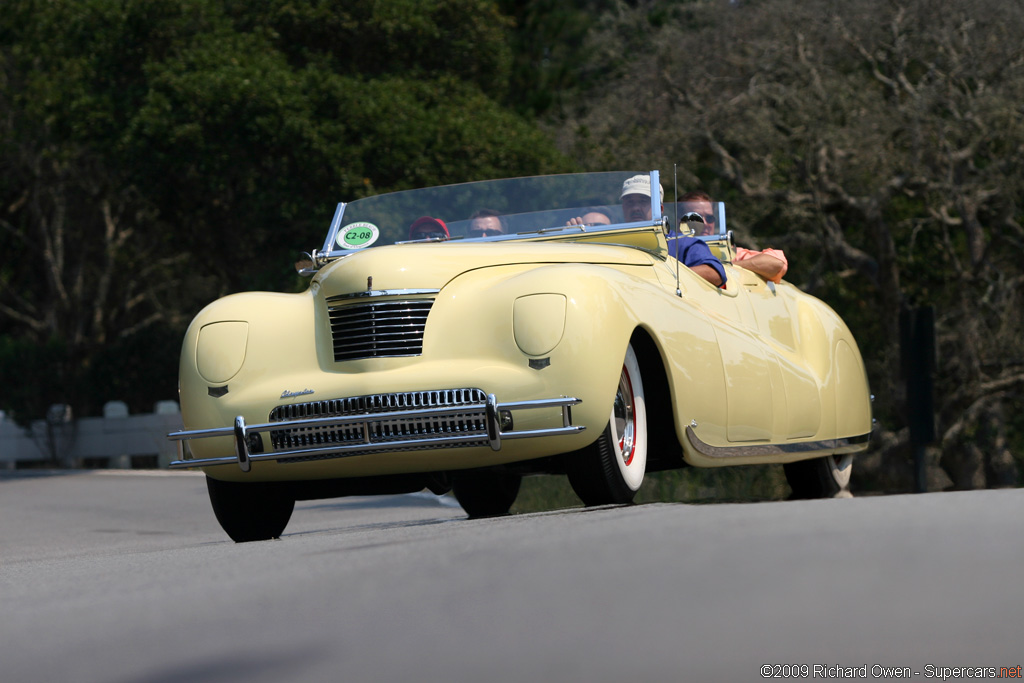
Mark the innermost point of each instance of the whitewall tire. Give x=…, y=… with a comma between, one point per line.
x=611, y=470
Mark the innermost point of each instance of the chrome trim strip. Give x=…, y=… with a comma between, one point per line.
x=337, y=450
x=530, y=433
x=540, y=403
x=656, y=202
x=769, y=449
x=558, y=231
x=544, y=233
x=331, y=421
x=493, y=436
x=381, y=292
x=332, y=232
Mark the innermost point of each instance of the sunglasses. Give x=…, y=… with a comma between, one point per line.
x=433, y=235
x=484, y=233
x=708, y=218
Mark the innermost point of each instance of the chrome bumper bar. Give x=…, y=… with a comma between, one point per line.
x=493, y=436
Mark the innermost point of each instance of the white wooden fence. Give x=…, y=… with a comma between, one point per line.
x=117, y=439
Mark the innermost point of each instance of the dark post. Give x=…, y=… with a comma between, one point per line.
x=917, y=349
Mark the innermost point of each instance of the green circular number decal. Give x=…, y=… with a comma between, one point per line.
x=358, y=235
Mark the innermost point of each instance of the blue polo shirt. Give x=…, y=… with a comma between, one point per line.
x=694, y=253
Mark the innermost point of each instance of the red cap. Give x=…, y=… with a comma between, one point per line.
x=428, y=224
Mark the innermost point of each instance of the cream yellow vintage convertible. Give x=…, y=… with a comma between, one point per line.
x=424, y=356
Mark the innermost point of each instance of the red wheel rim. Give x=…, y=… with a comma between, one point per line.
x=624, y=418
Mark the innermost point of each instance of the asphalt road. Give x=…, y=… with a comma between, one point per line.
x=126, y=577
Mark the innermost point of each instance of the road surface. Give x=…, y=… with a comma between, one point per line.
x=123, y=577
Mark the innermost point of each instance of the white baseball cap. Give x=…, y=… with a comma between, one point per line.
x=640, y=184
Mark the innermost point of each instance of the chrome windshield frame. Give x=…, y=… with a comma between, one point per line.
x=332, y=251
x=332, y=232
x=656, y=202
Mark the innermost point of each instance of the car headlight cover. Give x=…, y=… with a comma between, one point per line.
x=538, y=321
x=220, y=350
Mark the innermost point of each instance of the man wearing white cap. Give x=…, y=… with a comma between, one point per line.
x=695, y=255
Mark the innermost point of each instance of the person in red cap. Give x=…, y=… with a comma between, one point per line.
x=426, y=227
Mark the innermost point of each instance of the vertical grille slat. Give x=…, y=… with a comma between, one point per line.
x=379, y=329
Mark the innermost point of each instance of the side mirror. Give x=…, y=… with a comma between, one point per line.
x=306, y=266
x=693, y=224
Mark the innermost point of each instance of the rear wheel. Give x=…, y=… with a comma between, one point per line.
x=611, y=469
x=250, y=512
x=820, y=477
x=486, y=493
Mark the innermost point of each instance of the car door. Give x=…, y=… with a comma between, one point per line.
x=773, y=321
x=754, y=410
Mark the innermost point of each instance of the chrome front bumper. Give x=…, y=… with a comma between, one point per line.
x=379, y=433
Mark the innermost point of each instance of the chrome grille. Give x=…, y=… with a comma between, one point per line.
x=376, y=431
x=379, y=329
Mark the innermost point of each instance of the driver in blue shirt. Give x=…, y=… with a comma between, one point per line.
x=694, y=254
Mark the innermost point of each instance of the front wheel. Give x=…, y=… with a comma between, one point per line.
x=819, y=477
x=611, y=469
x=486, y=493
x=250, y=512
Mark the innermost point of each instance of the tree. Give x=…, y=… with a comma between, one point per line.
x=548, y=65
x=158, y=154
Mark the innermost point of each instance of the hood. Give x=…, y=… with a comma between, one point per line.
x=433, y=265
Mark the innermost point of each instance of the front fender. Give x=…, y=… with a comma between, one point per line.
x=243, y=339
x=568, y=323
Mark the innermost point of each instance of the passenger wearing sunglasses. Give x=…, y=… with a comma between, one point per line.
x=691, y=252
x=425, y=227
x=485, y=223
x=699, y=204
x=771, y=264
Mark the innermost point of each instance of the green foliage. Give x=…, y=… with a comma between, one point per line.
x=160, y=153
x=551, y=65
x=690, y=485
x=542, y=493
x=461, y=39
x=717, y=484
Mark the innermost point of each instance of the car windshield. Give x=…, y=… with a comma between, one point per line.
x=514, y=209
